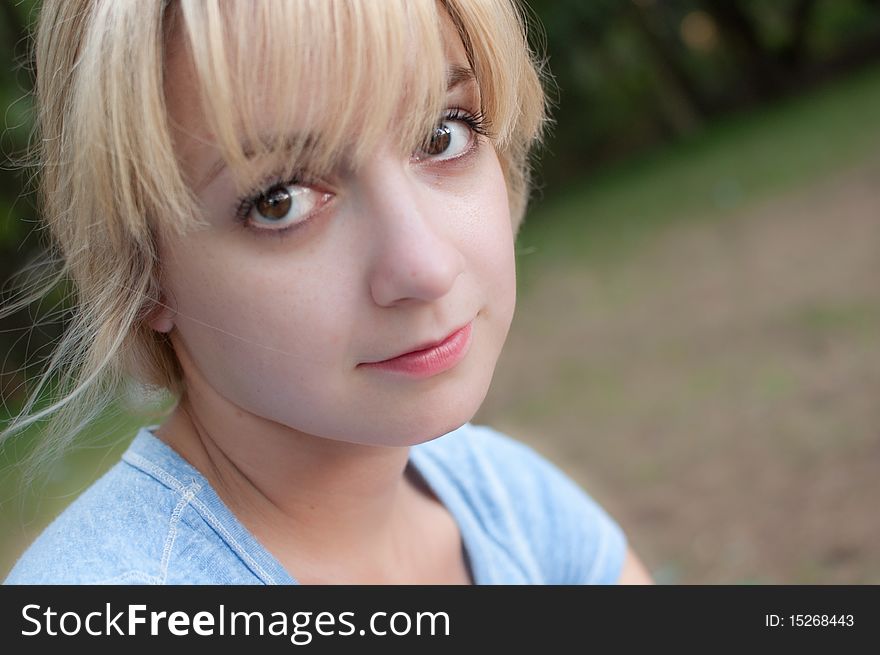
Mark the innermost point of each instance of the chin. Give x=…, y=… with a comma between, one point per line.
x=437, y=413
x=448, y=406
x=413, y=418
x=415, y=412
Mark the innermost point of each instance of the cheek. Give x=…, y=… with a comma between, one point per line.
x=255, y=325
x=490, y=240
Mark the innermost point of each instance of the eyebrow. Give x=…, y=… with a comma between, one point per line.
x=456, y=76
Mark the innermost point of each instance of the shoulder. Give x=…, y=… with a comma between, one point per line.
x=107, y=534
x=128, y=527
x=521, y=494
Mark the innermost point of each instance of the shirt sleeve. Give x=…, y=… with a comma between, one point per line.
x=574, y=539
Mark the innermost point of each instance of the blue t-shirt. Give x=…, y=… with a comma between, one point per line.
x=154, y=519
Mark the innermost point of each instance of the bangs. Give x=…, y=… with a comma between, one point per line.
x=289, y=86
x=302, y=85
x=284, y=86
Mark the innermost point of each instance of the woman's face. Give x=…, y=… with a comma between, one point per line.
x=378, y=262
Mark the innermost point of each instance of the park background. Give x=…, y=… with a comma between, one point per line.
x=697, y=337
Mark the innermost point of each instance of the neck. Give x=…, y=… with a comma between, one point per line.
x=307, y=499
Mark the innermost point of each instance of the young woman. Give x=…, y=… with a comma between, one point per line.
x=298, y=217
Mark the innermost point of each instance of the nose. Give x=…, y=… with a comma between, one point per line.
x=415, y=256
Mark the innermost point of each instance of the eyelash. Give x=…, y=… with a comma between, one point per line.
x=476, y=122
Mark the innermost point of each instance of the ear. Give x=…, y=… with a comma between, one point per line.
x=162, y=318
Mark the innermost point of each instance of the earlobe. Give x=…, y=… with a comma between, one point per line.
x=162, y=323
x=162, y=319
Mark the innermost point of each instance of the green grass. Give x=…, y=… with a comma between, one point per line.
x=734, y=163
x=847, y=319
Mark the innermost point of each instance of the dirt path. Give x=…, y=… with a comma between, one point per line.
x=719, y=393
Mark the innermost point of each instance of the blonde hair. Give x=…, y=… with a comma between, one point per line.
x=112, y=183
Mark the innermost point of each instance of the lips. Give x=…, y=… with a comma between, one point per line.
x=438, y=357
x=428, y=345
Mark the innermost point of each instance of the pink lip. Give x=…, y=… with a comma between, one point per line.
x=430, y=361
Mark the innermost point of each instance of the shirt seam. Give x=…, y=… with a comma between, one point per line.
x=176, y=485
x=188, y=495
x=130, y=576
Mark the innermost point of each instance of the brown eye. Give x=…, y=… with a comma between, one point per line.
x=450, y=139
x=439, y=141
x=275, y=203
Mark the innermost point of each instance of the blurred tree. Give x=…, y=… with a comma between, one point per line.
x=794, y=53
x=678, y=94
x=634, y=72
x=20, y=338
x=738, y=29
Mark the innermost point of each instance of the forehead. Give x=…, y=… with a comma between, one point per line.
x=309, y=83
